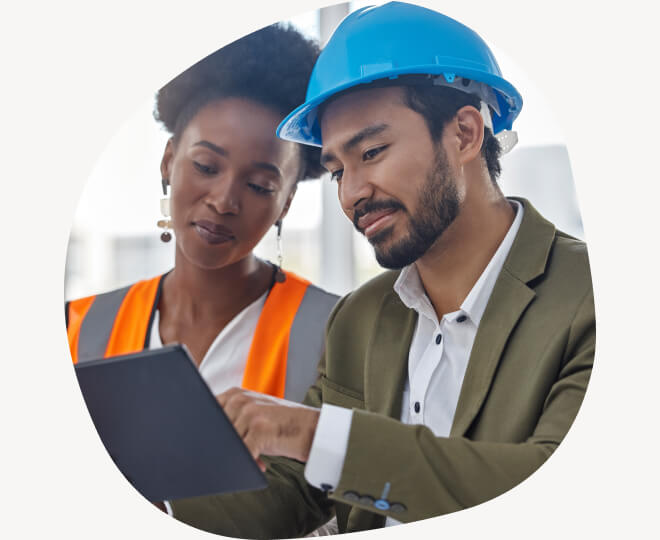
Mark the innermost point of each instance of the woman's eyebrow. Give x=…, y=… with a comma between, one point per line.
x=213, y=147
x=225, y=153
x=268, y=167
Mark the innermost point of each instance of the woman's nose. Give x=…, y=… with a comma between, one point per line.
x=224, y=195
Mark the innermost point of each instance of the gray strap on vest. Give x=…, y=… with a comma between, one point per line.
x=306, y=341
x=97, y=324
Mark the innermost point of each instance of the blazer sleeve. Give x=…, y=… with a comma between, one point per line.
x=429, y=476
x=287, y=508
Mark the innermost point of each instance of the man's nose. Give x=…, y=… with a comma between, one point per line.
x=354, y=188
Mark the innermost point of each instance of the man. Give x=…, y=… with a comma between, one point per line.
x=452, y=378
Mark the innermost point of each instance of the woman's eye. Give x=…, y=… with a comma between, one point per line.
x=204, y=169
x=336, y=175
x=260, y=189
x=373, y=152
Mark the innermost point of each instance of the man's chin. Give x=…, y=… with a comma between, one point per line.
x=395, y=255
x=381, y=238
x=390, y=258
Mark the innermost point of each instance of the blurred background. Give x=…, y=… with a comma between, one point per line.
x=114, y=239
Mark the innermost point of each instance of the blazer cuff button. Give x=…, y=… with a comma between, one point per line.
x=351, y=496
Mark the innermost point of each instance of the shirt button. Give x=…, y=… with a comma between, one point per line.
x=417, y=406
x=462, y=318
x=438, y=339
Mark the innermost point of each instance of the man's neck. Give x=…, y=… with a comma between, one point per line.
x=452, y=266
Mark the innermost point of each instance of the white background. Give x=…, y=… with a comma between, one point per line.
x=71, y=74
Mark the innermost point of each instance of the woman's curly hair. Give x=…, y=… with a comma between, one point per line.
x=270, y=66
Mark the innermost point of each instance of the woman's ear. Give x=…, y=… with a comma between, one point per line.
x=470, y=132
x=166, y=160
x=287, y=204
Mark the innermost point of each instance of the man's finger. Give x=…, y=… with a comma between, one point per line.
x=258, y=436
x=227, y=395
x=234, y=405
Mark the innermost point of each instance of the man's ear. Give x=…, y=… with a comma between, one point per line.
x=287, y=204
x=469, y=126
x=166, y=160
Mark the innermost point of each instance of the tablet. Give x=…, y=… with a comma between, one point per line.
x=163, y=427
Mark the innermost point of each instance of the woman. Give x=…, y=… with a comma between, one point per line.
x=245, y=321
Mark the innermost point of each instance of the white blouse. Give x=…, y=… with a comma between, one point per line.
x=224, y=363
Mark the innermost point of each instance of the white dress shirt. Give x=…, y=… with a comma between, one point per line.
x=437, y=360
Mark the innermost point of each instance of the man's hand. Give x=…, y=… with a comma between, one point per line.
x=270, y=426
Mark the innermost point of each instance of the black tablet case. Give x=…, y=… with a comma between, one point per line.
x=163, y=427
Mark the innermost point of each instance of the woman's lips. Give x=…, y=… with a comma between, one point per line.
x=211, y=232
x=373, y=222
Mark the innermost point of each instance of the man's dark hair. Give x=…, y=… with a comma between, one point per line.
x=270, y=66
x=438, y=105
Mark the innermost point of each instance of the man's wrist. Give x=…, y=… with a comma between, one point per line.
x=328, y=449
x=310, y=427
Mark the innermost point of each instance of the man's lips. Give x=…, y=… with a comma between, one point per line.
x=372, y=222
x=214, y=233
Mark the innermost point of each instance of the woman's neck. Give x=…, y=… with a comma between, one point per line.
x=197, y=295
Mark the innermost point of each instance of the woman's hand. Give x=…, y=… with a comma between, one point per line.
x=270, y=426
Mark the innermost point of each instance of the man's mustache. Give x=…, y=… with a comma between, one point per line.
x=373, y=206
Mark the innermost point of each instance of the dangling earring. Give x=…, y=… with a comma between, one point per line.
x=280, y=276
x=165, y=223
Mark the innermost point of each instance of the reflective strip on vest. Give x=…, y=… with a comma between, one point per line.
x=307, y=341
x=95, y=330
x=112, y=323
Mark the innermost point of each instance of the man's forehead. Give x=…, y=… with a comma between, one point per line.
x=357, y=109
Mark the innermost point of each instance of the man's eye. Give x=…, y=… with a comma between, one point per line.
x=204, y=169
x=336, y=175
x=373, y=152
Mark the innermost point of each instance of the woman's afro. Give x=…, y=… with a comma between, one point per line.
x=270, y=66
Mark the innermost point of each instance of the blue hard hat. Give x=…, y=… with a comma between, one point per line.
x=396, y=39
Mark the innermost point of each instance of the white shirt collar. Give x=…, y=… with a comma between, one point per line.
x=411, y=291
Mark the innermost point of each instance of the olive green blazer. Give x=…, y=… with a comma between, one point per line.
x=526, y=378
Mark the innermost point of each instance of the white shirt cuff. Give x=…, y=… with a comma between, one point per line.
x=326, y=457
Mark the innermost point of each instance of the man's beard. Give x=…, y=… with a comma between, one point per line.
x=437, y=207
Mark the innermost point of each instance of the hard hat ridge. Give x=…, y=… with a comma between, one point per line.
x=397, y=40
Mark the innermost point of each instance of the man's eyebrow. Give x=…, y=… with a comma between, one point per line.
x=212, y=147
x=356, y=139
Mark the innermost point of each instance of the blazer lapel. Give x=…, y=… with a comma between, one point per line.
x=510, y=297
x=386, y=365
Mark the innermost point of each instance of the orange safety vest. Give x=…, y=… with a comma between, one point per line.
x=286, y=346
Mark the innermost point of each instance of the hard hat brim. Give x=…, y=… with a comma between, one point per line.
x=301, y=125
